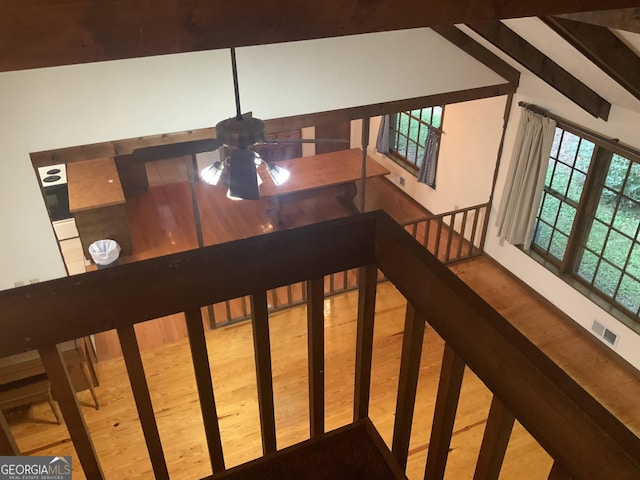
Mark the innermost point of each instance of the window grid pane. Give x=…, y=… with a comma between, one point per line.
x=613, y=239
x=602, y=251
x=408, y=133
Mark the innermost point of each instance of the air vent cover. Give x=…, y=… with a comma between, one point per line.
x=607, y=336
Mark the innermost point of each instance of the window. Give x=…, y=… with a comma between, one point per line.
x=408, y=134
x=588, y=223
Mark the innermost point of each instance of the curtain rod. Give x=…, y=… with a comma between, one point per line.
x=536, y=109
x=612, y=143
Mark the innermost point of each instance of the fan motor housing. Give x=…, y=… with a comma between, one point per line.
x=240, y=133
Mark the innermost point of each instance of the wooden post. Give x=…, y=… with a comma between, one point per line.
x=262, y=351
x=368, y=283
x=140, y=389
x=407, y=383
x=8, y=446
x=202, y=370
x=444, y=416
x=494, y=442
x=65, y=395
x=315, y=340
x=366, y=123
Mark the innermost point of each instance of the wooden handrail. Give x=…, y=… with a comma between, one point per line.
x=94, y=302
x=567, y=422
x=451, y=236
x=585, y=439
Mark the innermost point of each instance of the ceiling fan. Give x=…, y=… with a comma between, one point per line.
x=241, y=133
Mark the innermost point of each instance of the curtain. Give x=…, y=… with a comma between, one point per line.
x=427, y=172
x=382, y=144
x=525, y=179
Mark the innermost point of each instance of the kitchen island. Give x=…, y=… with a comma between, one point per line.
x=97, y=202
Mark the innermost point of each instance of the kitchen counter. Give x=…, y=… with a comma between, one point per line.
x=94, y=184
x=97, y=202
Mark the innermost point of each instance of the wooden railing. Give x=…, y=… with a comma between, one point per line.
x=452, y=237
x=585, y=439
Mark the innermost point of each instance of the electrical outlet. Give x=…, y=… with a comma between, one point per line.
x=401, y=181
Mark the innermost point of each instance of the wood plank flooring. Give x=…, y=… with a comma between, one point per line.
x=117, y=433
x=118, y=437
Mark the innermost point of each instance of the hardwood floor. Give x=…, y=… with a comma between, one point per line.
x=169, y=226
x=118, y=437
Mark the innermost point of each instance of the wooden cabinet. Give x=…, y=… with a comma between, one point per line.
x=97, y=202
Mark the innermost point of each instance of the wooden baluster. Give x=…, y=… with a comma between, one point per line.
x=65, y=395
x=8, y=446
x=452, y=233
x=274, y=298
x=315, y=340
x=262, y=351
x=227, y=305
x=558, y=472
x=462, y=230
x=345, y=279
x=332, y=287
x=198, y=345
x=472, y=240
x=485, y=227
x=368, y=276
x=444, y=416
x=427, y=228
x=212, y=317
x=436, y=251
x=414, y=230
x=289, y=295
x=495, y=441
x=245, y=312
x=407, y=383
x=140, y=389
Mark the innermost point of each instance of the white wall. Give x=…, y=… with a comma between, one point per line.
x=44, y=109
x=622, y=124
x=467, y=158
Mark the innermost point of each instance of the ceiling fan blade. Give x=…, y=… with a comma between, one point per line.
x=173, y=150
x=307, y=140
x=243, y=179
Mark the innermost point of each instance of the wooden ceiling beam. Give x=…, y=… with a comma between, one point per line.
x=603, y=48
x=477, y=51
x=627, y=19
x=43, y=33
x=199, y=138
x=542, y=66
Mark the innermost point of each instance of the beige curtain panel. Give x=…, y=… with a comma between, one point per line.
x=525, y=179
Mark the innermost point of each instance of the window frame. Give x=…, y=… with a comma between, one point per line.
x=594, y=184
x=394, y=135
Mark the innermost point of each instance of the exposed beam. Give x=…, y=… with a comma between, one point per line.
x=41, y=33
x=627, y=19
x=477, y=51
x=199, y=138
x=533, y=59
x=603, y=48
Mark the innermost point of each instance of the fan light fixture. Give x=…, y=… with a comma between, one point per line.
x=213, y=173
x=278, y=174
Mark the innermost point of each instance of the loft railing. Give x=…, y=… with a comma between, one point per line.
x=585, y=440
x=451, y=236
